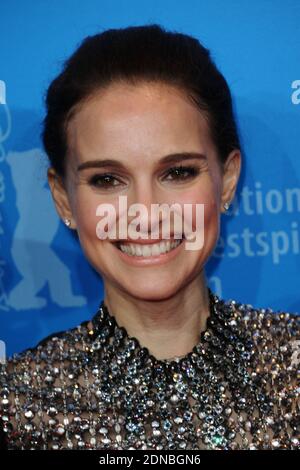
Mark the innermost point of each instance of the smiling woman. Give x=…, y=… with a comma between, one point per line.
x=144, y=114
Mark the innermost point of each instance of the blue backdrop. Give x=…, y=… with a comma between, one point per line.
x=46, y=284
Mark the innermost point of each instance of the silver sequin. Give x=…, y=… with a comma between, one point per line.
x=98, y=388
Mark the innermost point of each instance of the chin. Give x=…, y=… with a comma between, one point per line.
x=151, y=291
x=153, y=296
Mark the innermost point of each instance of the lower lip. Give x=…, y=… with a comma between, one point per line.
x=150, y=260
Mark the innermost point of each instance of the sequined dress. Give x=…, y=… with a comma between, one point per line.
x=95, y=387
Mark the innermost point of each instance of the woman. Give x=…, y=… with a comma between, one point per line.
x=164, y=363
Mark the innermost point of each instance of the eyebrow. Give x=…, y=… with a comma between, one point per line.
x=172, y=158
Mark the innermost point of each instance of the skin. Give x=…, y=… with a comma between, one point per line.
x=138, y=125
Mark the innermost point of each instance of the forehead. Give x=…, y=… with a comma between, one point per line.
x=133, y=122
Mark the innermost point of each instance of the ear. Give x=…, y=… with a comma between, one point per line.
x=231, y=173
x=60, y=196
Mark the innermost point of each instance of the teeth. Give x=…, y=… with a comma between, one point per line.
x=135, y=249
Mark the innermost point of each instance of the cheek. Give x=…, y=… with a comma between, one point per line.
x=210, y=211
x=199, y=201
x=96, y=219
x=85, y=214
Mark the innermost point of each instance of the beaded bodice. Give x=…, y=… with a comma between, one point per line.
x=95, y=387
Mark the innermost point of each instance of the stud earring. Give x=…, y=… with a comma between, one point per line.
x=67, y=222
x=226, y=206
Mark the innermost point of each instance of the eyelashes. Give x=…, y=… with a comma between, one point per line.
x=105, y=180
x=178, y=174
x=179, y=171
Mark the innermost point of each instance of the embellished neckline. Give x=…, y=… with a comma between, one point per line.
x=104, y=320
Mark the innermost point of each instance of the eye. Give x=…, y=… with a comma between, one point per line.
x=180, y=172
x=105, y=181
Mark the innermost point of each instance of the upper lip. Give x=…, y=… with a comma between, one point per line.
x=149, y=241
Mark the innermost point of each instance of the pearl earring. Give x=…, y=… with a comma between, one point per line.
x=226, y=206
x=67, y=222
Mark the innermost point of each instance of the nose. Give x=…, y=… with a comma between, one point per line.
x=140, y=205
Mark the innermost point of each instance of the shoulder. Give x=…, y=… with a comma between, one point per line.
x=271, y=340
x=273, y=330
x=271, y=337
x=274, y=338
x=52, y=347
x=27, y=377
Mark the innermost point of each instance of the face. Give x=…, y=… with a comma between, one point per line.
x=141, y=128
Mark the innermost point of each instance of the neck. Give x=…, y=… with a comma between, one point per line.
x=168, y=328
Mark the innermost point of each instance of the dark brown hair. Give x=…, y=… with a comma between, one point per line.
x=133, y=54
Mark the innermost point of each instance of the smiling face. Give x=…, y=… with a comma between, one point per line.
x=145, y=130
